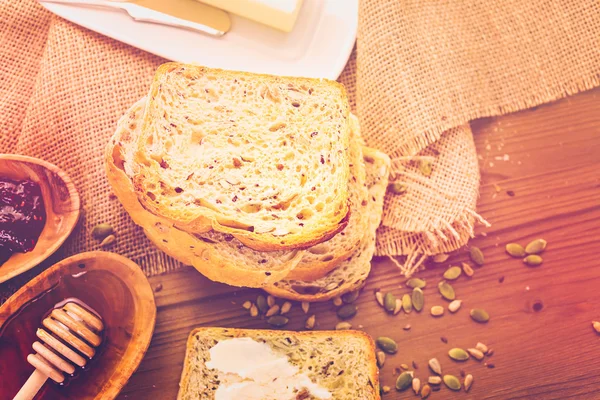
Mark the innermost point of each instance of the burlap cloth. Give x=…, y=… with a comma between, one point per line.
x=421, y=71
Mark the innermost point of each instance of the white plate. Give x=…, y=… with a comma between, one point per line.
x=319, y=45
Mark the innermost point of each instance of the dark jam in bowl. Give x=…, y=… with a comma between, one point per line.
x=22, y=216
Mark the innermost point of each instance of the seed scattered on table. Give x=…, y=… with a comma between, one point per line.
x=426, y=391
x=437, y=311
x=380, y=358
x=452, y=382
x=286, y=307
x=515, y=250
x=279, y=321
x=476, y=255
x=454, y=306
x=533, y=260
x=389, y=302
x=387, y=344
x=416, y=385
x=481, y=347
x=272, y=310
x=407, y=303
x=310, y=322
x=253, y=310
x=247, y=304
x=458, y=354
x=435, y=366
x=270, y=301
x=476, y=354
x=452, y=273
x=446, y=290
x=343, y=326
x=398, y=307
x=468, y=382
x=337, y=301
x=407, y=327
x=479, y=315
x=596, y=326
x=305, y=307
x=404, y=381
x=440, y=258
x=444, y=339
x=386, y=389
x=416, y=282
x=261, y=303
x=536, y=246
x=467, y=270
x=379, y=298
x=418, y=299
x=434, y=380
x=346, y=312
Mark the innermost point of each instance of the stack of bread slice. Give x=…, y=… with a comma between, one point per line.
x=255, y=180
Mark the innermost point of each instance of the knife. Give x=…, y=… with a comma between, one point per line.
x=188, y=14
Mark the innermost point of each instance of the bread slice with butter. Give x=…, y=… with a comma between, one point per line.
x=223, y=363
x=351, y=273
x=260, y=157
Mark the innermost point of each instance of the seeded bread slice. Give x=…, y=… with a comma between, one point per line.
x=216, y=255
x=351, y=273
x=341, y=361
x=261, y=157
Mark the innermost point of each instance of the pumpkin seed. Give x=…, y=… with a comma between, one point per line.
x=426, y=167
x=404, y=381
x=343, y=326
x=425, y=392
x=418, y=299
x=440, y=258
x=379, y=298
x=437, y=311
x=387, y=345
x=389, y=302
x=253, y=310
x=107, y=241
x=346, y=312
x=454, y=306
x=481, y=347
x=434, y=380
x=310, y=322
x=416, y=283
x=468, y=382
x=350, y=297
x=536, y=246
x=278, y=321
x=452, y=273
x=435, y=366
x=380, y=358
x=261, y=303
x=272, y=311
x=467, y=270
x=480, y=315
x=406, y=303
x=533, y=260
x=476, y=354
x=270, y=300
x=247, y=304
x=101, y=231
x=397, y=188
x=515, y=250
x=452, y=382
x=596, y=325
x=398, y=307
x=286, y=307
x=476, y=255
x=305, y=306
x=446, y=290
x=416, y=385
x=458, y=354
x=337, y=301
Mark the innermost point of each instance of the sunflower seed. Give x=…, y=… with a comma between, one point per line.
x=346, y=312
x=389, y=302
x=490, y=352
x=337, y=301
x=406, y=303
x=454, y=306
x=101, y=231
x=387, y=345
x=404, y=381
x=416, y=385
x=458, y=354
x=310, y=322
x=434, y=380
x=481, y=347
x=435, y=366
x=476, y=255
x=418, y=300
x=440, y=258
x=397, y=188
x=253, y=310
x=261, y=303
x=286, y=307
x=468, y=382
x=536, y=246
x=407, y=327
x=379, y=298
x=343, y=326
x=305, y=306
x=467, y=270
x=416, y=283
x=596, y=325
x=452, y=273
x=350, y=297
x=380, y=358
x=480, y=315
x=533, y=260
x=476, y=354
x=515, y=250
x=452, y=382
x=404, y=367
x=437, y=311
x=107, y=241
x=270, y=300
x=446, y=290
x=279, y=320
x=386, y=389
x=398, y=307
x=425, y=392
x=272, y=311
x=247, y=304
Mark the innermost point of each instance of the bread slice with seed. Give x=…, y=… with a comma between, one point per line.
x=343, y=362
x=351, y=273
x=263, y=158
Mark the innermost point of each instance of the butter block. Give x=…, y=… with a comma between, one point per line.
x=278, y=14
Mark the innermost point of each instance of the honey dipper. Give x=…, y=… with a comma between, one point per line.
x=72, y=324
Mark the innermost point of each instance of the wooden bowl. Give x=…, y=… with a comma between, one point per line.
x=61, y=202
x=110, y=284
